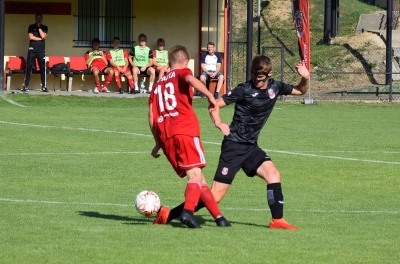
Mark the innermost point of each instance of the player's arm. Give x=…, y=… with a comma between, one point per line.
x=215, y=117
x=302, y=87
x=199, y=86
x=156, y=148
x=42, y=33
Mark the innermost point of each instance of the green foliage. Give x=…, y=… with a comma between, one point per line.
x=71, y=167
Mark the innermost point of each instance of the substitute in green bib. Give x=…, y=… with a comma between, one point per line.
x=141, y=59
x=160, y=58
x=118, y=59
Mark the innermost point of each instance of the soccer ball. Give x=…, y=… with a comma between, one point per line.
x=147, y=203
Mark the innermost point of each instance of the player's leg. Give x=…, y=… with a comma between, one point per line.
x=95, y=72
x=110, y=74
x=30, y=62
x=152, y=73
x=41, y=57
x=220, y=78
x=117, y=79
x=135, y=73
x=129, y=76
x=271, y=175
x=192, y=197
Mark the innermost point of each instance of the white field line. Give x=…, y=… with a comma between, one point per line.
x=224, y=208
x=205, y=142
x=5, y=98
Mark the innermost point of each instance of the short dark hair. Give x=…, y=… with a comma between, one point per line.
x=95, y=40
x=38, y=14
x=142, y=36
x=211, y=43
x=116, y=38
x=160, y=40
x=260, y=63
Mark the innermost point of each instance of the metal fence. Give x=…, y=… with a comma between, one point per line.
x=350, y=68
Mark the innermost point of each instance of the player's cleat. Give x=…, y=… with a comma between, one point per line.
x=105, y=90
x=216, y=95
x=44, y=89
x=162, y=216
x=188, y=219
x=120, y=91
x=25, y=89
x=96, y=90
x=282, y=224
x=222, y=222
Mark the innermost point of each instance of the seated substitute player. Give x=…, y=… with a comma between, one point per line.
x=176, y=131
x=118, y=59
x=160, y=58
x=141, y=59
x=210, y=65
x=96, y=60
x=254, y=101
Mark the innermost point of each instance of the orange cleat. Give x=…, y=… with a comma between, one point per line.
x=162, y=216
x=281, y=223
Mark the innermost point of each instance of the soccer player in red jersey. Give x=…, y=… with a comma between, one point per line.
x=176, y=131
x=96, y=60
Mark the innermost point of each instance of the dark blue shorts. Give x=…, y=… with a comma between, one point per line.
x=208, y=77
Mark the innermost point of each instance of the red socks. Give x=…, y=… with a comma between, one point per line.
x=130, y=81
x=118, y=81
x=108, y=80
x=209, y=202
x=192, y=195
x=98, y=85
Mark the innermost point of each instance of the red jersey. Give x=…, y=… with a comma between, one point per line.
x=172, y=109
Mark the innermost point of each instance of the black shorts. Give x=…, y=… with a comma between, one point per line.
x=235, y=156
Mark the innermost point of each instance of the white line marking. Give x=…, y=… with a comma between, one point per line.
x=224, y=208
x=334, y=157
x=206, y=142
x=5, y=98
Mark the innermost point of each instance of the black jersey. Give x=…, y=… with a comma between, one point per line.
x=34, y=45
x=252, y=109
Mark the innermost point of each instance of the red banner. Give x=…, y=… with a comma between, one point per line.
x=301, y=17
x=38, y=8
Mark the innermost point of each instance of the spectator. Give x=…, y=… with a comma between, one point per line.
x=210, y=65
x=118, y=59
x=160, y=58
x=141, y=59
x=37, y=34
x=96, y=60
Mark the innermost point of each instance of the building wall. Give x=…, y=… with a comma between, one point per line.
x=176, y=21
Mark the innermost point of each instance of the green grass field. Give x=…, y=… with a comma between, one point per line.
x=72, y=166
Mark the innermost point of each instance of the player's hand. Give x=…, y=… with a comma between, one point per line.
x=155, y=150
x=224, y=128
x=212, y=104
x=143, y=69
x=302, y=69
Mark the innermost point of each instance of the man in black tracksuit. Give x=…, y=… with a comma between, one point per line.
x=37, y=33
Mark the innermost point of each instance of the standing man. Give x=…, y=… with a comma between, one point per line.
x=141, y=59
x=254, y=101
x=210, y=65
x=118, y=59
x=176, y=131
x=37, y=33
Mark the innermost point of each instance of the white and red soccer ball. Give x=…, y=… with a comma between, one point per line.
x=147, y=203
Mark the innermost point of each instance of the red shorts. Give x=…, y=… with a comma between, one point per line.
x=100, y=66
x=121, y=73
x=184, y=153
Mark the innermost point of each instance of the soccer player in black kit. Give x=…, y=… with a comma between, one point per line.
x=254, y=101
x=37, y=33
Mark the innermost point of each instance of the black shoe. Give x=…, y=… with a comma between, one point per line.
x=25, y=89
x=44, y=89
x=188, y=219
x=222, y=222
x=136, y=91
x=120, y=91
x=216, y=95
x=131, y=91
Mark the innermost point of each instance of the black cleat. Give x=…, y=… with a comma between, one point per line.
x=120, y=91
x=188, y=219
x=25, y=89
x=44, y=89
x=222, y=222
x=136, y=91
x=131, y=91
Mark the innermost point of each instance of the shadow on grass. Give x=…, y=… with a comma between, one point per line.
x=131, y=220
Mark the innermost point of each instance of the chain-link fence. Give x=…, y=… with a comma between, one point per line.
x=350, y=68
